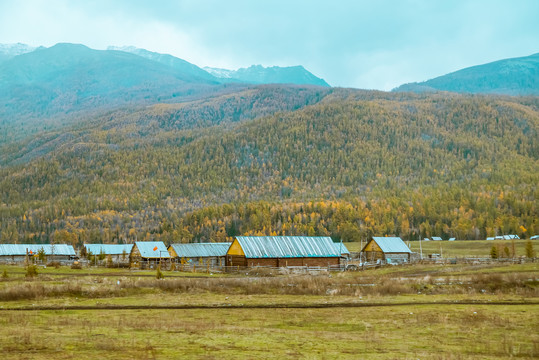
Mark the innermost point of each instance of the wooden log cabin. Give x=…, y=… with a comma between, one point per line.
x=389, y=249
x=283, y=251
x=212, y=254
x=149, y=254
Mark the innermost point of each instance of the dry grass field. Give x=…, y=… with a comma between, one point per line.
x=396, y=312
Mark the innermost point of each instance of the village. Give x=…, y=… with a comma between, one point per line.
x=272, y=252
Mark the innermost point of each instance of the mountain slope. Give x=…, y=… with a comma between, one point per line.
x=169, y=60
x=464, y=163
x=517, y=76
x=258, y=74
x=8, y=51
x=68, y=78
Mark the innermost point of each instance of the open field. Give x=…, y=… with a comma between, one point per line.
x=460, y=248
x=403, y=332
x=405, y=312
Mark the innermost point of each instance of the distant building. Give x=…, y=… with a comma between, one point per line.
x=148, y=254
x=452, y=239
x=436, y=238
x=19, y=253
x=115, y=253
x=535, y=237
x=342, y=249
x=213, y=254
x=283, y=251
x=389, y=249
x=490, y=238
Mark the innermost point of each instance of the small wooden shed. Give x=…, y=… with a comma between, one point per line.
x=390, y=249
x=148, y=254
x=283, y=251
x=212, y=254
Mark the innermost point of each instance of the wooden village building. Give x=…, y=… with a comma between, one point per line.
x=207, y=254
x=283, y=251
x=113, y=253
x=390, y=249
x=342, y=249
x=149, y=254
x=20, y=253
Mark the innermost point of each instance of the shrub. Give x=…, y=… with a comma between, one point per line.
x=31, y=271
x=159, y=274
x=4, y=274
x=530, y=252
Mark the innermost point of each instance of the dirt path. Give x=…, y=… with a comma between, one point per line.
x=265, y=306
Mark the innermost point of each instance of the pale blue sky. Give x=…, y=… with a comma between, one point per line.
x=376, y=44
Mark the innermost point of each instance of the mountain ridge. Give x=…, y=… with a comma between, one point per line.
x=513, y=76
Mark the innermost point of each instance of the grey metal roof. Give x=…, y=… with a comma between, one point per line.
x=341, y=248
x=201, y=249
x=436, y=238
x=152, y=249
x=392, y=244
x=287, y=246
x=109, y=249
x=20, y=249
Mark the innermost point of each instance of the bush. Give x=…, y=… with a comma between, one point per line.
x=31, y=271
x=55, y=264
x=159, y=274
x=4, y=274
x=76, y=265
x=530, y=252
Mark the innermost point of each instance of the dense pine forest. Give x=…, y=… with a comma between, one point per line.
x=281, y=160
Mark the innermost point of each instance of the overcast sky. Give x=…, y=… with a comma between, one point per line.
x=376, y=44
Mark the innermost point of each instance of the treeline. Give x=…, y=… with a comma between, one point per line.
x=347, y=166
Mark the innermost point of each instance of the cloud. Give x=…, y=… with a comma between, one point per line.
x=362, y=44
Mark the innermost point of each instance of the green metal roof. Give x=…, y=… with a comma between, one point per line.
x=152, y=249
x=50, y=249
x=201, y=249
x=392, y=244
x=108, y=249
x=287, y=246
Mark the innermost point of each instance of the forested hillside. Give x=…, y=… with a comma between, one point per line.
x=280, y=160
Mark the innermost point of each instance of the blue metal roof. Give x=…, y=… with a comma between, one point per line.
x=287, y=246
x=341, y=248
x=436, y=238
x=152, y=249
x=391, y=244
x=108, y=249
x=50, y=249
x=201, y=249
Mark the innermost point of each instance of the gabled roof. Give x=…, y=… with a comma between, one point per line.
x=341, y=248
x=287, y=246
x=201, y=249
x=108, y=249
x=152, y=249
x=50, y=249
x=391, y=244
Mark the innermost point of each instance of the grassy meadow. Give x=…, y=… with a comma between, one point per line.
x=487, y=311
x=461, y=248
